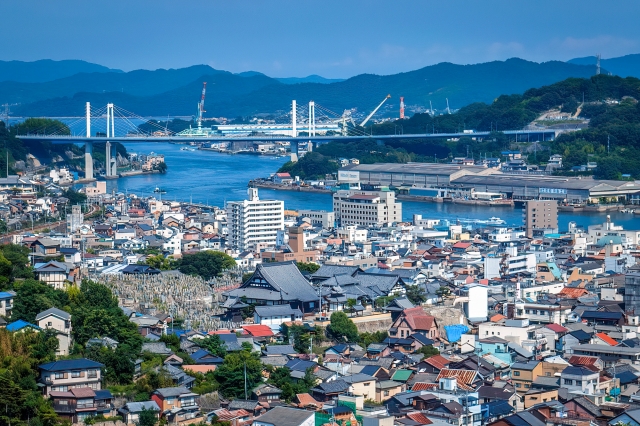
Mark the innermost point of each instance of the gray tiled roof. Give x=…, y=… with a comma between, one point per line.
x=332, y=386
x=285, y=416
x=286, y=280
x=136, y=407
x=53, y=311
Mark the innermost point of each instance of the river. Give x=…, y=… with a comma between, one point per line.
x=213, y=178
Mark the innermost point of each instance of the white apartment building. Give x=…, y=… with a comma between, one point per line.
x=254, y=222
x=509, y=263
x=367, y=208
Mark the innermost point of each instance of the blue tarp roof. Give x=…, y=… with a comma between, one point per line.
x=455, y=331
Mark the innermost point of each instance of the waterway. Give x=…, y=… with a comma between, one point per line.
x=213, y=178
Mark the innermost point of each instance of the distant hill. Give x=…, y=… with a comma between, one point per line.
x=624, y=66
x=47, y=70
x=176, y=92
x=313, y=78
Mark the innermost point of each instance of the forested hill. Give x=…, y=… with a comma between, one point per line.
x=612, y=138
x=176, y=92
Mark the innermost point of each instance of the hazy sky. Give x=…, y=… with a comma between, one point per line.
x=333, y=38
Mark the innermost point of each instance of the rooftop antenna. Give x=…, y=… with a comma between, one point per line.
x=598, y=64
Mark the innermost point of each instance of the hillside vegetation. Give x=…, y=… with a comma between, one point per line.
x=612, y=123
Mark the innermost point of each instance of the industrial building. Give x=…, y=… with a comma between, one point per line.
x=424, y=175
x=456, y=180
x=367, y=208
x=254, y=223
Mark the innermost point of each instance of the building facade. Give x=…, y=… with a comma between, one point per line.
x=366, y=208
x=254, y=222
x=540, y=214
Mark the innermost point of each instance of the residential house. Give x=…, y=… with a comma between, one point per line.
x=6, y=303
x=275, y=316
x=70, y=373
x=523, y=374
x=60, y=321
x=130, y=412
x=414, y=320
x=75, y=405
x=177, y=404
x=56, y=274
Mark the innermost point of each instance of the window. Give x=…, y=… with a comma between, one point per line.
x=548, y=374
x=76, y=374
x=92, y=374
x=367, y=384
x=518, y=385
x=59, y=375
x=516, y=373
x=568, y=382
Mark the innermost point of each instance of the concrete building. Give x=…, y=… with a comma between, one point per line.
x=366, y=208
x=540, y=214
x=254, y=222
x=475, y=308
x=509, y=263
x=319, y=217
x=70, y=373
x=632, y=293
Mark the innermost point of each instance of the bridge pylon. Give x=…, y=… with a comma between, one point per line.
x=88, y=147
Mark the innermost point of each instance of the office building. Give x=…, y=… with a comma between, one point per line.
x=366, y=208
x=254, y=223
x=540, y=214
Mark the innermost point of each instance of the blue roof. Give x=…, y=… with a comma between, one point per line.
x=626, y=377
x=6, y=295
x=370, y=370
x=70, y=364
x=300, y=365
x=602, y=315
x=20, y=324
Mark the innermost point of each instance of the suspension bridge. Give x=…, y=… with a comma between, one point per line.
x=309, y=124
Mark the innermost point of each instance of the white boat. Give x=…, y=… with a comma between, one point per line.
x=496, y=221
x=159, y=191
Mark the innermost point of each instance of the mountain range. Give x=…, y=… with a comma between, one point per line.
x=50, y=88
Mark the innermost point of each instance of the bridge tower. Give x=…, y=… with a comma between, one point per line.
x=88, y=147
x=110, y=161
x=294, y=132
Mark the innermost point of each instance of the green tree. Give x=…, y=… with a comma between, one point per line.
x=231, y=374
x=309, y=267
x=365, y=339
x=351, y=304
x=428, y=351
x=416, y=295
x=74, y=197
x=161, y=167
x=160, y=262
x=341, y=328
x=443, y=292
x=33, y=297
x=207, y=264
x=147, y=418
x=214, y=345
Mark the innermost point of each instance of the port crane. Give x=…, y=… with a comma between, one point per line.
x=201, y=105
x=374, y=111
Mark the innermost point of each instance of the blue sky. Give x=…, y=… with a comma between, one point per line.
x=333, y=38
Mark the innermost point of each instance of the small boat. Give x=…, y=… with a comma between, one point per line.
x=159, y=191
x=496, y=221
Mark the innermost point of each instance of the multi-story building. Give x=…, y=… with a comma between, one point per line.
x=78, y=404
x=366, y=208
x=509, y=263
x=60, y=321
x=540, y=214
x=254, y=223
x=523, y=374
x=70, y=373
x=319, y=217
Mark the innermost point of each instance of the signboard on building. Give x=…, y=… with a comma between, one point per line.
x=553, y=191
x=348, y=176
